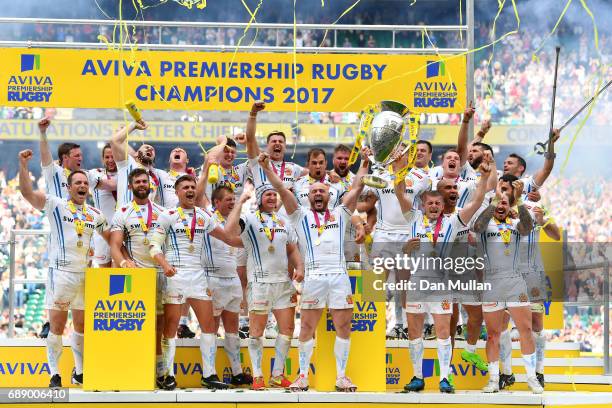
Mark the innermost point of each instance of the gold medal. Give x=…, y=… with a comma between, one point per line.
x=79, y=244
x=191, y=248
x=145, y=241
x=271, y=249
x=317, y=242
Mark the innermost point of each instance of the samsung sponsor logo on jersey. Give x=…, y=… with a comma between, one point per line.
x=328, y=226
x=87, y=224
x=119, y=314
x=498, y=234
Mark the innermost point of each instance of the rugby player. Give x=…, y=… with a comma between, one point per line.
x=433, y=235
x=72, y=224
x=499, y=237
x=177, y=245
x=321, y=233
x=220, y=266
x=271, y=246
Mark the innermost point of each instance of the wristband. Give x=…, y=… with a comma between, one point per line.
x=123, y=263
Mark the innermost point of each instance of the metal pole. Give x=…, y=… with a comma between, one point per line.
x=470, y=60
x=393, y=39
x=11, y=326
x=606, y=318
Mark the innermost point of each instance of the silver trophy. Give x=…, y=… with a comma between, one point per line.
x=384, y=137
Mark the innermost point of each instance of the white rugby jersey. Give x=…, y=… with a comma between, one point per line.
x=301, y=188
x=234, y=178
x=166, y=196
x=287, y=171
x=56, y=180
x=328, y=256
x=389, y=217
x=124, y=194
x=425, y=229
x=177, y=244
x=127, y=220
x=501, y=260
x=218, y=259
x=64, y=250
x=530, y=258
x=104, y=200
x=266, y=260
x=345, y=183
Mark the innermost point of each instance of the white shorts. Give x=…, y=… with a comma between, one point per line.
x=102, y=253
x=226, y=294
x=330, y=290
x=388, y=244
x=265, y=297
x=443, y=307
x=241, y=257
x=489, y=307
x=186, y=284
x=65, y=290
x=536, y=285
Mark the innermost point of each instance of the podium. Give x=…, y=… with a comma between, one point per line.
x=119, y=350
x=367, y=365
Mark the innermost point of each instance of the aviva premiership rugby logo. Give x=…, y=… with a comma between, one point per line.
x=118, y=313
x=436, y=91
x=30, y=85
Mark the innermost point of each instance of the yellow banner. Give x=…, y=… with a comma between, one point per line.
x=120, y=329
x=222, y=81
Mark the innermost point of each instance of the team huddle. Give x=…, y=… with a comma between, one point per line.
x=267, y=234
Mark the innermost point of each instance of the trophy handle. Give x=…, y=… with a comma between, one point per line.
x=374, y=181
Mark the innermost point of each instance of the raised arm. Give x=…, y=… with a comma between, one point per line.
x=202, y=200
x=251, y=140
x=287, y=197
x=470, y=208
x=46, y=158
x=350, y=198
x=549, y=161
x=484, y=129
x=118, y=142
x=232, y=225
x=525, y=224
x=36, y=198
x=550, y=228
x=400, y=188
x=462, y=139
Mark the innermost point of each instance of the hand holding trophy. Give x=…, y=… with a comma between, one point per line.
x=384, y=125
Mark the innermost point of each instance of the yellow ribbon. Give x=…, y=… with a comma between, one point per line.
x=79, y=223
x=266, y=229
x=143, y=224
x=184, y=220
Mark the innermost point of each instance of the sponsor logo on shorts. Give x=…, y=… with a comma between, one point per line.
x=209, y=292
x=492, y=304
x=310, y=302
x=445, y=305
x=261, y=302
x=413, y=305
x=523, y=298
x=349, y=299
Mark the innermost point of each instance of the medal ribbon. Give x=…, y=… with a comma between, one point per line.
x=313, y=180
x=78, y=218
x=219, y=216
x=433, y=238
x=504, y=230
x=321, y=228
x=233, y=176
x=269, y=232
x=282, y=170
x=190, y=232
x=154, y=180
x=145, y=226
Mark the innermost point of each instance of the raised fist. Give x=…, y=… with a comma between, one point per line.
x=25, y=156
x=43, y=124
x=258, y=106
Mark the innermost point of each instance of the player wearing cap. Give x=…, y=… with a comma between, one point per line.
x=499, y=238
x=72, y=224
x=433, y=235
x=321, y=233
x=177, y=245
x=105, y=200
x=132, y=228
x=220, y=267
x=270, y=245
